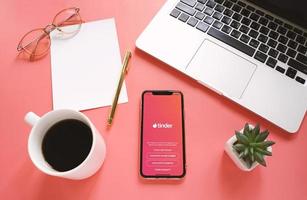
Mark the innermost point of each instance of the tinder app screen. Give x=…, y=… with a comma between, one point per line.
x=162, y=152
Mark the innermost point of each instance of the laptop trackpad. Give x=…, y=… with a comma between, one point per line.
x=220, y=69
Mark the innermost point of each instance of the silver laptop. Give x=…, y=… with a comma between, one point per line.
x=252, y=52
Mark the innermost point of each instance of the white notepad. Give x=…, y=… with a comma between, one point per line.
x=86, y=67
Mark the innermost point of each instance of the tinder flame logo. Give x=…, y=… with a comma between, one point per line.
x=162, y=125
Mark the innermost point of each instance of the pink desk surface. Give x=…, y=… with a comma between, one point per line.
x=210, y=121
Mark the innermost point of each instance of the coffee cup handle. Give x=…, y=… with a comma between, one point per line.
x=31, y=118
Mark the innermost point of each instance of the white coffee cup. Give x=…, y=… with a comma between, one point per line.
x=87, y=168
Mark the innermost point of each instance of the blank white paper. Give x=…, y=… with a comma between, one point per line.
x=86, y=68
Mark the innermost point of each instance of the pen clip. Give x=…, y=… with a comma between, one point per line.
x=126, y=59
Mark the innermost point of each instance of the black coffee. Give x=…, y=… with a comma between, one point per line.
x=66, y=144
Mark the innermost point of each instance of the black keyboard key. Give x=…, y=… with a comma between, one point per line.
x=228, y=4
x=208, y=11
x=291, y=35
x=260, y=56
x=264, y=48
x=245, y=12
x=226, y=29
x=282, y=48
x=254, y=43
x=300, y=80
x=211, y=4
x=253, y=33
x=291, y=53
x=272, y=26
x=278, y=21
x=262, y=38
x=226, y=20
x=209, y=20
x=202, y=26
x=250, y=8
x=298, y=31
x=302, y=49
x=202, y=1
x=217, y=15
x=291, y=72
x=219, y=8
x=241, y=3
x=219, y=1
x=255, y=26
x=269, y=17
x=259, y=12
x=283, y=58
x=244, y=38
x=228, y=12
x=297, y=65
x=264, y=30
x=175, y=13
x=236, y=8
x=272, y=43
x=254, y=16
x=183, y=17
x=292, y=44
x=217, y=24
x=235, y=24
x=273, y=53
x=302, y=58
x=300, y=39
x=185, y=8
x=246, y=21
x=263, y=21
x=199, y=15
x=189, y=2
x=281, y=30
x=192, y=21
x=273, y=35
x=282, y=39
x=231, y=41
x=271, y=62
x=235, y=34
x=244, y=29
x=200, y=6
x=237, y=16
x=280, y=69
x=288, y=26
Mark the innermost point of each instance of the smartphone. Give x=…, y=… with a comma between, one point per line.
x=162, y=145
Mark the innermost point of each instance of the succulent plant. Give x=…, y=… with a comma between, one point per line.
x=252, y=145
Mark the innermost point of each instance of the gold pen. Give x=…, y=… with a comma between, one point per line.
x=119, y=86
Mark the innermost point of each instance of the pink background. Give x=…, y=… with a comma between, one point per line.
x=162, y=109
x=210, y=121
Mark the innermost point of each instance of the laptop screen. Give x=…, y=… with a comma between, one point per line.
x=293, y=10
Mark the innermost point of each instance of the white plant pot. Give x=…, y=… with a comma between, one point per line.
x=233, y=154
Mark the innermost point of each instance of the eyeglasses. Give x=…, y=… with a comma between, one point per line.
x=36, y=43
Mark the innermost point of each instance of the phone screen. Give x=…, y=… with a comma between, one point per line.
x=162, y=135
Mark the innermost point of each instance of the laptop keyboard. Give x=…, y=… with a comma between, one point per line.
x=259, y=35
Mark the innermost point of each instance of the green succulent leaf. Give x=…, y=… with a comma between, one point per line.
x=239, y=147
x=255, y=132
x=259, y=158
x=253, y=158
x=266, y=144
x=245, y=152
x=246, y=130
x=251, y=150
x=263, y=152
x=241, y=138
x=262, y=136
x=241, y=155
